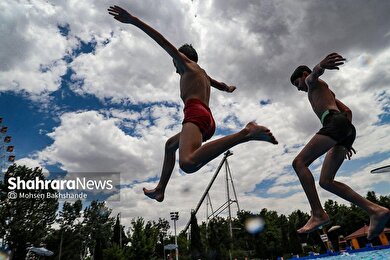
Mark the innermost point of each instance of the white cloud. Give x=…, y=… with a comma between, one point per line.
x=87, y=141
x=281, y=190
x=32, y=51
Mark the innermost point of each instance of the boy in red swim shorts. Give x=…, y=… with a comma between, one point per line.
x=198, y=113
x=335, y=139
x=198, y=124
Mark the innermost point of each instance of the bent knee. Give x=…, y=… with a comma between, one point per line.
x=187, y=165
x=298, y=163
x=171, y=145
x=326, y=184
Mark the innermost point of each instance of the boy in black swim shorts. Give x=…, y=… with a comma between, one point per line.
x=335, y=138
x=337, y=126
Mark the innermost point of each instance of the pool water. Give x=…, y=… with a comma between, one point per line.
x=383, y=254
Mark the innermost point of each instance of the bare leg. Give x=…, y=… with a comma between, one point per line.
x=378, y=215
x=192, y=156
x=190, y=141
x=169, y=163
x=316, y=147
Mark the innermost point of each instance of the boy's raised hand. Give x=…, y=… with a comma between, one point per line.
x=229, y=89
x=332, y=61
x=121, y=14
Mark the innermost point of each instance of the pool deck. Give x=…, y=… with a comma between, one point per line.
x=349, y=251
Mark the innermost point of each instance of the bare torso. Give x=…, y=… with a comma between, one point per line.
x=195, y=83
x=321, y=97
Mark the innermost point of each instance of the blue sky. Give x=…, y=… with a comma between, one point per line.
x=82, y=92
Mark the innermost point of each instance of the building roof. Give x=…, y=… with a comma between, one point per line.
x=361, y=232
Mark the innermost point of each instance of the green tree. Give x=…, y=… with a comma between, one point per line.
x=269, y=242
x=119, y=237
x=68, y=240
x=162, y=226
x=143, y=238
x=331, y=207
x=184, y=246
x=97, y=228
x=25, y=219
x=242, y=239
x=218, y=238
x=371, y=196
x=114, y=253
x=384, y=201
x=70, y=212
x=296, y=220
x=285, y=239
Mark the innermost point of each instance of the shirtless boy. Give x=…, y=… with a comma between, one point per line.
x=336, y=138
x=198, y=125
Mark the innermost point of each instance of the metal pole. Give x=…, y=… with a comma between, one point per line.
x=228, y=199
x=226, y=155
x=229, y=209
x=234, y=189
x=207, y=213
x=174, y=217
x=177, y=248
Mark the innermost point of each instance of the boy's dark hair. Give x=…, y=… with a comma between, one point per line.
x=298, y=72
x=189, y=51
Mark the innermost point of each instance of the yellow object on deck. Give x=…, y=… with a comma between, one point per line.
x=383, y=239
x=355, y=243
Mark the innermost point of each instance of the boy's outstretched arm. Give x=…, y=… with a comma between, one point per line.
x=221, y=86
x=123, y=16
x=330, y=62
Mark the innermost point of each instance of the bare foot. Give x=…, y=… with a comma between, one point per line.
x=378, y=222
x=314, y=223
x=155, y=194
x=261, y=133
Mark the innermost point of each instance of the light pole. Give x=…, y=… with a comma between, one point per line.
x=174, y=217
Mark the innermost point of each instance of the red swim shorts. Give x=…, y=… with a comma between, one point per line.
x=198, y=113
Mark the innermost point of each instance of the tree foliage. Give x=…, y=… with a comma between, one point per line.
x=69, y=240
x=144, y=238
x=25, y=219
x=97, y=227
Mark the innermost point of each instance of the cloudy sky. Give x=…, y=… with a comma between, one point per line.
x=81, y=92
